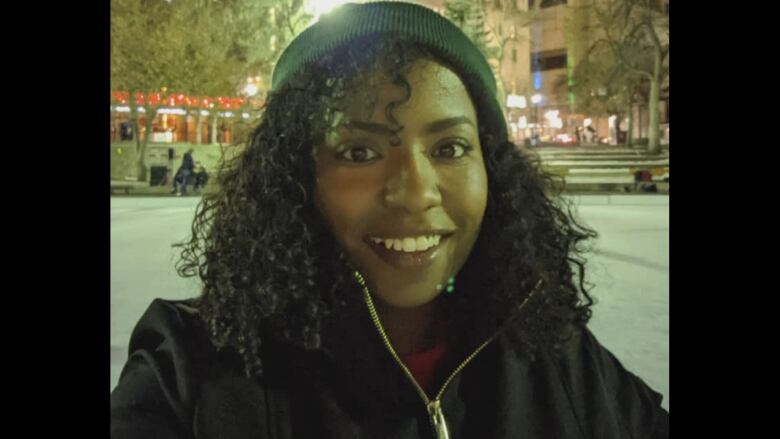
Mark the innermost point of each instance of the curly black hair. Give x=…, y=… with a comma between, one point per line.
x=272, y=270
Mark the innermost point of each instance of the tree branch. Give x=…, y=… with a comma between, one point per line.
x=651, y=32
x=624, y=62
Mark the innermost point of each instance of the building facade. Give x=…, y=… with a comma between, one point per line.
x=533, y=56
x=534, y=66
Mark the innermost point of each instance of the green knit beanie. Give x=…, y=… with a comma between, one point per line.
x=412, y=22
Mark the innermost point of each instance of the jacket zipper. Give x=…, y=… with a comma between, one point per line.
x=438, y=422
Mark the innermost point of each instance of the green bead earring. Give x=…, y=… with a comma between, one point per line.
x=451, y=285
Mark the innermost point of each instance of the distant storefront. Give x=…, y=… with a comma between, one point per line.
x=178, y=117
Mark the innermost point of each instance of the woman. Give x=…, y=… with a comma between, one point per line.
x=380, y=262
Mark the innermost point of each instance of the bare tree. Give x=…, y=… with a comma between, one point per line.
x=140, y=60
x=632, y=36
x=195, y=47
x=470, y=17
x=488, y=34
x=503, y=37
x=601, y=86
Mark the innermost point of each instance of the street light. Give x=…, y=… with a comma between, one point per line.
x=515, y=101
x=250, y=89
x=319, y=7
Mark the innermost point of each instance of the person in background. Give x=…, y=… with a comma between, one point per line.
x=184, y=174
x=201, y=177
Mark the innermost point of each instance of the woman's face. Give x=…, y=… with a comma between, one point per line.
x=407, y=213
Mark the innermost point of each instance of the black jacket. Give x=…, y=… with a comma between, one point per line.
x=177, y=385
x=187, y=163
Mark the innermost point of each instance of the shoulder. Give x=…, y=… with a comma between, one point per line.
x=172, y=314
x=583, y=356
x=174, y=326
x=176, y=382
x=169, y=357
x=603, y=392
x=169, y=334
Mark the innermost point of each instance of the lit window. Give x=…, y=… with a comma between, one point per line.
x=548, y=60
x=550, y=3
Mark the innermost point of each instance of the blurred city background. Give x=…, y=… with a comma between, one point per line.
x=584, y=85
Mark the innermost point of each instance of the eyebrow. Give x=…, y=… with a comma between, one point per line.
x=433, y=127
x=443, y=124
x=372, y=127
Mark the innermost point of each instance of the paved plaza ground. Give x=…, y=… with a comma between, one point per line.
x=629, y=267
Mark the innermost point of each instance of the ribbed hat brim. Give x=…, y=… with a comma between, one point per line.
x=353, y=22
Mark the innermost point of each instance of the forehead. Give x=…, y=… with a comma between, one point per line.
x=435, y=91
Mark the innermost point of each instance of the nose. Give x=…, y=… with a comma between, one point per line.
x=412, y=183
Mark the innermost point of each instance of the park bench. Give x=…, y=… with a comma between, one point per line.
x=612, y=180
x=126, y=185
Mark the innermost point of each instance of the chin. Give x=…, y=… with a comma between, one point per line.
x=406, y=301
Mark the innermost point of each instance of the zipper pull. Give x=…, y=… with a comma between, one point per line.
x=437, y=419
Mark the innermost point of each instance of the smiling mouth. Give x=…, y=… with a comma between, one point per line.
x=414, y=244
x=410, y=253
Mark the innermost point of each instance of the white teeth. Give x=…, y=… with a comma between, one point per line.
x=410, y=244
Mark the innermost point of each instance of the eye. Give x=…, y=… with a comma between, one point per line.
x=451, y=150
x=357, y=154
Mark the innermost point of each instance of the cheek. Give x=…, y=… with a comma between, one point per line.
x=479, y=193
x=468, y=198
x=345, y=200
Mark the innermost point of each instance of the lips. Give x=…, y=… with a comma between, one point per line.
x=409, y=244
x=409, y=258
